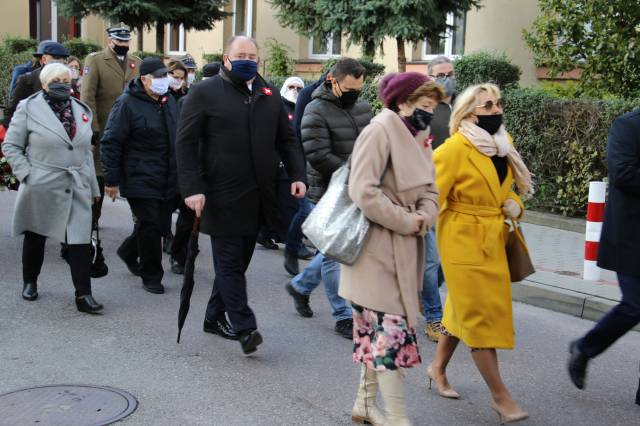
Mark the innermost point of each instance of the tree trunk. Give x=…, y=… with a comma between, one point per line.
x=160, y=45
x=140, y=31
x=402, y=58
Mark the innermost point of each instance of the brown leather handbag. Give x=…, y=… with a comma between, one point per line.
x=520, y=265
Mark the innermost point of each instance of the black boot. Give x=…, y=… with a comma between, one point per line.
x=98, y=268
x=176, y=267
x=300, y=301
x=167, y=242
x=250, y=341
x=577, y=365
x=266, y=242
x=30, y=291
x=88, y=304
x=291, y=263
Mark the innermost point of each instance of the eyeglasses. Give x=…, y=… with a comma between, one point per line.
x=296, y=88
x=488, y=106
x=443, y=75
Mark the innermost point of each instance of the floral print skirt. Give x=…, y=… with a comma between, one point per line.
x=383, y=341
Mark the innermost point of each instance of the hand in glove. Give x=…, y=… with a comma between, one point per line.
x=511, y=209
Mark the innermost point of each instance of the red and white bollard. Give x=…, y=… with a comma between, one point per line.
x=595, y=217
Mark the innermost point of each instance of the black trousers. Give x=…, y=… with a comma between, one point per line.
x=617, y=321
x=78, y=256
x=96, y=208
x=231, y=258
x=145, y=242
x=184, y=225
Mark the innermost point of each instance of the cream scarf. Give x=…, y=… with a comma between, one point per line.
x=500, y=145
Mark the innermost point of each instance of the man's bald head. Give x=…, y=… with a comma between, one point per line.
x=240, y=48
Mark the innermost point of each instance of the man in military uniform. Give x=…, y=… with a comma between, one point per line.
x=105, y=76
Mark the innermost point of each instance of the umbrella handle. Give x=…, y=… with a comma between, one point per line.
x=196, y=226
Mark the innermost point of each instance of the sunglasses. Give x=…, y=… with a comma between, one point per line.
x=488, y=106
x=443, y=75
x=296, y=88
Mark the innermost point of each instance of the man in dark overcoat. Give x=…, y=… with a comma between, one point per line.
x=619, y=244
x=233, y=130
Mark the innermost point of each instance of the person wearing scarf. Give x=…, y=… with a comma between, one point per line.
x=49, y=149
x=476, y=170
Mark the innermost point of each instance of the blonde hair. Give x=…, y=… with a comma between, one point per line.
x=51, y=71
x=466, y=102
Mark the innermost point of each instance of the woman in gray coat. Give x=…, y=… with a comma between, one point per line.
x=48, y=146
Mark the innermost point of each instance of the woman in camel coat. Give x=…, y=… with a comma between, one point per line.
x=476, y=169
x=392, y=181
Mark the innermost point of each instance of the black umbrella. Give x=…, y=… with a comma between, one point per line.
x=187, y=283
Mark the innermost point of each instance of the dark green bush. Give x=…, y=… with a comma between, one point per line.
x=81, y=48
x=142, y=55
x=278, y=61
x=212, y=57
x=483, y=67
x=563, y=141
x=374, y=69
x=8, y=60
x=20, y=44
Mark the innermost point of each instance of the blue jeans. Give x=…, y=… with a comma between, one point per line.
x=328, y=271
x=430, y=294
x=294, y=235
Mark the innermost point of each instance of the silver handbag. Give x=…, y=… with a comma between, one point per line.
x=336, y=226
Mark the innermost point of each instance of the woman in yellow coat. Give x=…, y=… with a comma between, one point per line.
x=475, y=172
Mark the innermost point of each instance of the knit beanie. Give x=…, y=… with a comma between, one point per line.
x=396, y=88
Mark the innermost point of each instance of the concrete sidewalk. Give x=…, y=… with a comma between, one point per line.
x=558, y=285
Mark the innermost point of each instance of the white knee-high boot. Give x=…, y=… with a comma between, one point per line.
x=365, y=409
x=392, y=389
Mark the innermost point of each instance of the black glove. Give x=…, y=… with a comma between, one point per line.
x=95, y=138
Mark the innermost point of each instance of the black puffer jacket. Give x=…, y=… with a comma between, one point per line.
x=137, y=148
x=328, y=133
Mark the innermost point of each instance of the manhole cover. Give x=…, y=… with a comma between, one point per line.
x=66, y=405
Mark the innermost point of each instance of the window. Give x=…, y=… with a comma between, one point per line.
x=325, y=48
x=177, y=43
x=46, y=24
x=244, y=17
x=449, y=44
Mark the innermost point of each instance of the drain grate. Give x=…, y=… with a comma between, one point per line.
x=66, y=405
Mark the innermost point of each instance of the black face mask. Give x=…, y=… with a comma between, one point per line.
x=348, y=99
x=490, y=123
x=59, y=92
x=420, y=119
x=121, y=50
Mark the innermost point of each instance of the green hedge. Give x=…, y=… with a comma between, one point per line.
x=20, y=44
x=482, y=67
x=212, y=57
x=143, y=54
x=563, y=141
x=81, y=48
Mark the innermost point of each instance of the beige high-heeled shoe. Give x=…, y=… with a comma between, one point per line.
x=445, y=393
x=510, y=417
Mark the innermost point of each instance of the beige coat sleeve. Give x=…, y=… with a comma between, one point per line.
x=369, y=161
x=89, y=88
x=427, y=205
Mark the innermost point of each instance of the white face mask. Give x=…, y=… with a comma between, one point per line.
x=74, y=74
x=291, y=95
x=174, y=83
x=160, y=85
x=191, y=78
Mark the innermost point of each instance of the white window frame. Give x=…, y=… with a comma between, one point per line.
x=181, y=41
x=54, y=20
x=248, y=18
x=448, y=42
x=329, y=53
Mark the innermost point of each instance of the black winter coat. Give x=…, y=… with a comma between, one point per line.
x=620, y=240
x=329, y=132
x=26, y=85
x=242, y=136
x=137, y=148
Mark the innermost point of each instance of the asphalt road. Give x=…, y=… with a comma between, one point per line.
x=301, y=375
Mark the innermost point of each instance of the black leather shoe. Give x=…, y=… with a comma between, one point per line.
x=30, y=291
x=176, y=267
x=345, y=328
x=88, y=304
x=220, y=327
x=267, y=243
x=250, y=341
x=291, y=263
x=300, y=301
x=155, y=288
x=577, y=365
x=132, y=265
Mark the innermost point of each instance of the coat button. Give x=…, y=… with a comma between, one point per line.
x=67, y=191
x=70, y=148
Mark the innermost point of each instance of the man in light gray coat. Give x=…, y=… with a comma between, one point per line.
x=48, y=146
